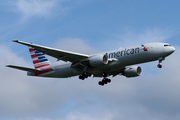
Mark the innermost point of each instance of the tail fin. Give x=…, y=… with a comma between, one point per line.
x=39, y=60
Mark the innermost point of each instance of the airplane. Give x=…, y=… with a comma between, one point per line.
x=112, y=63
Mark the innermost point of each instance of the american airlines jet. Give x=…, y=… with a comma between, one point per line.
x=111, y=63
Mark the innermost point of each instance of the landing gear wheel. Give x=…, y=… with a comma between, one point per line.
x=85, y=75
x=105, y=81
x=89, y=74
x=81, y=77
x=108, y=80
x=101, y=83
x=159, y=66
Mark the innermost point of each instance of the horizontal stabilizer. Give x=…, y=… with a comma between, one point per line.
x=23, y=68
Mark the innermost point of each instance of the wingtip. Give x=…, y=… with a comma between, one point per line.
x=15, y=40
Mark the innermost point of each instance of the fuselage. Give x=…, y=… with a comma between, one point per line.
x=118, y=59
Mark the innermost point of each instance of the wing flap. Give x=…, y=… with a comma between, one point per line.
x=59, y=54
x=23, y=68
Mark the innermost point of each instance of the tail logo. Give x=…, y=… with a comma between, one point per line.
x=39, y=60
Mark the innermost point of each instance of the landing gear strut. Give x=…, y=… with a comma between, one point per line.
x=85, y=75
x=160, y=61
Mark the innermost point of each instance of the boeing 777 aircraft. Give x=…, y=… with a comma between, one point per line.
x=111, y=63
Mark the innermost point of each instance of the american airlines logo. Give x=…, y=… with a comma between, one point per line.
x=123, y=52
x=144, y=48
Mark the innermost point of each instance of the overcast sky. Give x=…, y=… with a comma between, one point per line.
x=89, y=26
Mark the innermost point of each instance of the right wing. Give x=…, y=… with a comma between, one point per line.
x=59, y=54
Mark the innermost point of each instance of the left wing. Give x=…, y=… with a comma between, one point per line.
x=59, y=54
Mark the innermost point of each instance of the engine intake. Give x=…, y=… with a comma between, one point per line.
x=98, y=60
x=132, y=71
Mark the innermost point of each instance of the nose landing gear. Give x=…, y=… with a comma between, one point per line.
x=160, y=61
x=159, y=65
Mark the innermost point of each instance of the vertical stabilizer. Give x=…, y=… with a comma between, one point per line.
x=39, y=60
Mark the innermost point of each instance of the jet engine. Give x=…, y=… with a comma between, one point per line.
x=132, y=71
x=98, y=60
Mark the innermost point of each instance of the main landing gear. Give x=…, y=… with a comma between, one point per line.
x=85, y=75
x=104, y=81
x=160, y=61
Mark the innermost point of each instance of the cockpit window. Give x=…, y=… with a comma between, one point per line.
x=166, y=45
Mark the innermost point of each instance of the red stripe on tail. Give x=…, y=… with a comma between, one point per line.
x=36, y=61
x=31, y=50
x=41, y=66
x=33, y=56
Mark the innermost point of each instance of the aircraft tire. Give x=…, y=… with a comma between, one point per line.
x=80, y=77
x=86, y=76
x=105, y=81
x=89, y=74
x=101, y=83
x=108, y=80
x=159, y=66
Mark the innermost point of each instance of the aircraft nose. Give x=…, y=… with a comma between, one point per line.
x=169, y=50
x=173, y=49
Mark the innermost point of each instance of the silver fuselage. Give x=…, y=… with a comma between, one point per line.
x=118, y=59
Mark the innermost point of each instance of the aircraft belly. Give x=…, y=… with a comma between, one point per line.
x=65, y=72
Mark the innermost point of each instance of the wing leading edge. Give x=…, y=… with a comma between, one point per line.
x=56, y=53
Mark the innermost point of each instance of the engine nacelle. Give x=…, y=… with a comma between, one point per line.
x=132, y=71
x=98, y=60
